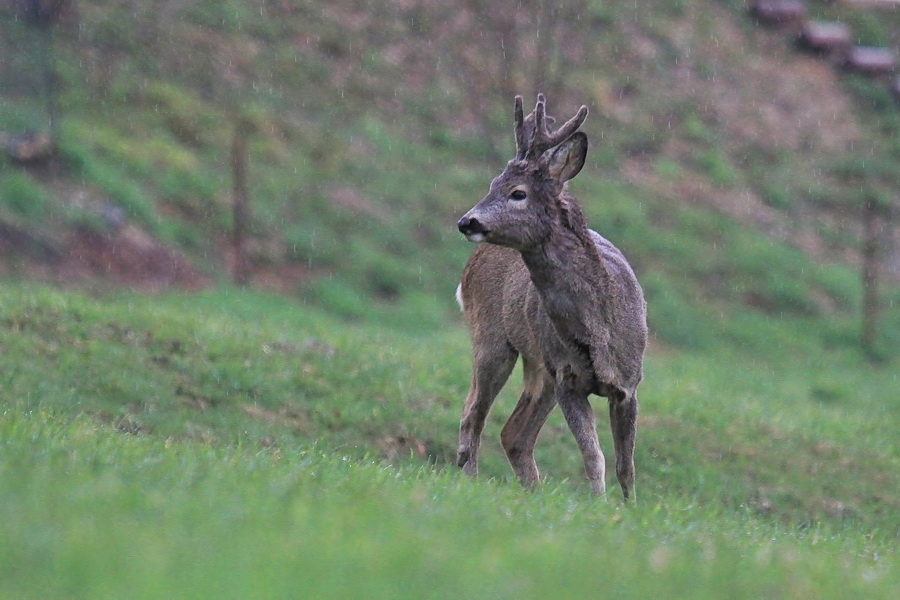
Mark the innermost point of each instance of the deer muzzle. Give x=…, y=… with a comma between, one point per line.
x=472, y=229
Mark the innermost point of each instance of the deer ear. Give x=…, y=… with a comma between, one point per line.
x=565, y=161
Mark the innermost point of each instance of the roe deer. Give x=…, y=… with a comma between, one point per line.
x=546, y=287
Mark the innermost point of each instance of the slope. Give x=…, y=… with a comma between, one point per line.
x=729, y=169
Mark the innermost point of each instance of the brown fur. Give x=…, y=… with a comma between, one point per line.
x=548, y=289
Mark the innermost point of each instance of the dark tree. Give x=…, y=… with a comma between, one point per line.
x=876, y=213
x=42, y=15
x=240, y=202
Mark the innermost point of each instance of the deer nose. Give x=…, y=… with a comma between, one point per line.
x=470, y=225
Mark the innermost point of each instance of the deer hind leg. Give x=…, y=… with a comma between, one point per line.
x=580, y=418
x=490, y=370
x=623, y=422
x=521, y=430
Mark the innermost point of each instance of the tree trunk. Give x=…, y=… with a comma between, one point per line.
x=50, y=85
x=870, y=307
x=240, y=205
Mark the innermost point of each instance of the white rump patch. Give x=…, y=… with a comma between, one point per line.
x=459, y=299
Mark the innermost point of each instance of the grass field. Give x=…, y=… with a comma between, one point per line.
x=244, y=445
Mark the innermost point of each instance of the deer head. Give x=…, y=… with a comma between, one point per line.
x=524, y=200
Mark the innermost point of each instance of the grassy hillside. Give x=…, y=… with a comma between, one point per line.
x=245, y=444
x=730, y=168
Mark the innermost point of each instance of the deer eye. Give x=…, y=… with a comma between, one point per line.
x=518, y=195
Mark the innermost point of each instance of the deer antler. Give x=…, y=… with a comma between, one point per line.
x=533, y=138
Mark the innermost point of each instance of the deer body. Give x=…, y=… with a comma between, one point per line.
x=548, y=289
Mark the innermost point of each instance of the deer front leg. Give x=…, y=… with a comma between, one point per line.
x=623, y=422
x=490, y=371
x=580, y=418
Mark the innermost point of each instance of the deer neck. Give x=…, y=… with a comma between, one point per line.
x=569, y=275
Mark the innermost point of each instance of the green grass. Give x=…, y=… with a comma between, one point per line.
x=91, y=513
x=22, y=197
x=245, y=445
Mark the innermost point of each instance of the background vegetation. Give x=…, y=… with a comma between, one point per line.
x=166, y=434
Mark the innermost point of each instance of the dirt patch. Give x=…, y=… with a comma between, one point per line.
x=282, y=279
x=748, y=107
x=128, y=256
x=286, y=416
x=127, y=423
x=771, y=96
x=401, y=446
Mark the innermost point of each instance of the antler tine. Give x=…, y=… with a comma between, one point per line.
x=540, y=136
x=521, y=147
x=540, y=128
x=569, y=127
x=533, y=134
